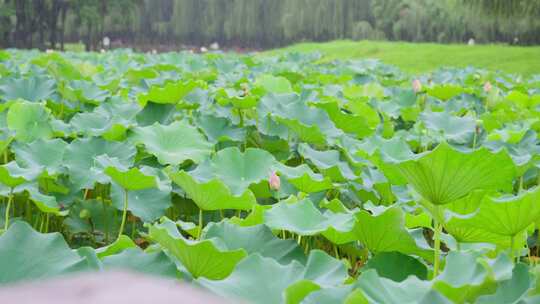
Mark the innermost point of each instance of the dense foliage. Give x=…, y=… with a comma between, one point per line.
x=263, y=23
x=272, y=179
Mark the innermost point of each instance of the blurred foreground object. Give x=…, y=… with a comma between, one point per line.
x=105, y=288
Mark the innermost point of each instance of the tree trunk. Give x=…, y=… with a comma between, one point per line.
x=20, y=14
x=53, y=22
x=63, y=13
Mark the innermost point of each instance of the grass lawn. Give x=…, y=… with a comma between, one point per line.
x=425, y=57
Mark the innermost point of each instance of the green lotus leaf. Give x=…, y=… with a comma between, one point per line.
x=236, y=169
x=87, y=252
x=303, y=218
x=310, y=133
x=34, y=88
x=511, y=133
x=190, y=228
x=511, y=290
x=41, y=155
x=104, y=221
x=304, y=179
x=201, y=258
x=135, y=75
x=299, y=217
x=412, y=290
x=27, y=173
x=310, y=124
x=349, y=123
x=255, y=217
x=223, y=181
x=462, y=268
x=26, y=254
x=85, y=91
x=172, y=92
x=445, y=174
x=132, y=179
x=122, y=243
x=396, y=266
x=459, y=130
x=360, y=107
x=273, y=84
x=253, y=279
x=212, y=195
x=296, y=292
x=519, y=98
x=237, y=98
x=463, y=208
x=115, y=116
x=219, y=129
x=175, y=143
x=465, y=277
x=80, y=159
x=147, y=204
x=385, y=232
x=8, y=178
x=44, y=202
x=506, y=215
x=137, y=260
x=445, y=91
x=156, y=113
x=254, y=239
x=324, y=270
x=369, y=90
x=30, y=121
x=328, y=162
x=340, y=294
x=524, y=153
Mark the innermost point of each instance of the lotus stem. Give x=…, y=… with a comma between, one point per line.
x=124, y=213
x=512, y=248
x=41, y=222
x=133, y=230
x=47, y=223
x=437, y=241
x=538, y=244
x=10, y=199
x=200, y=224
x=241, y=118
x=106, y=219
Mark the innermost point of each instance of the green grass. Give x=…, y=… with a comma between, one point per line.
x=74, y=47
x=425, y=57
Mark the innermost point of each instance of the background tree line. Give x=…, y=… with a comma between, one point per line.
x=263, y=23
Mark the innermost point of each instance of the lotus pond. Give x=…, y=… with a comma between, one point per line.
x=272, y=179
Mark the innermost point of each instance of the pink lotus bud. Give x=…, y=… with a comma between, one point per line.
x=416, y=85
x=274, y=181
x=487, y=87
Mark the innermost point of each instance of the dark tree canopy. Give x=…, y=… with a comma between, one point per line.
x=263, y=23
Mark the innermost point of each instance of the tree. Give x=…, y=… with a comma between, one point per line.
x=507, y=7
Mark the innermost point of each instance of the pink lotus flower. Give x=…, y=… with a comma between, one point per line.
x=274, y=181
x=416, y=85
x=487, y=87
